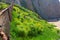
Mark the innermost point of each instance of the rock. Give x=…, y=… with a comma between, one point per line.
x=47, y=9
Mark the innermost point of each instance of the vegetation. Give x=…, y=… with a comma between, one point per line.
x=28, y=25
x=3, y=6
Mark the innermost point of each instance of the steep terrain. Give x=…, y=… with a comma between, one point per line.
x=28, y=25
x=47, y=9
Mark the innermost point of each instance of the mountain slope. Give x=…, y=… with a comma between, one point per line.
x=47, y=9
x=27, y=25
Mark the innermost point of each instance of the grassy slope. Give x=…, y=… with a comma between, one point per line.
x=27, y=25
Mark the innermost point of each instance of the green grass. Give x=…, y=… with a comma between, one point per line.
x=28, y=25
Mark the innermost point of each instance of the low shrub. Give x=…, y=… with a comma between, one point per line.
x=28, y=25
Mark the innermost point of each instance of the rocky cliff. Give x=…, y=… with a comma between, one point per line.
x=47, y=9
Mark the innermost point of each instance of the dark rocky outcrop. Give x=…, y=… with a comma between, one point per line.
x=47, y=9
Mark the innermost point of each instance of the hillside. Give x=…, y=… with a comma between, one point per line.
x=28, y=25
x=47, y=9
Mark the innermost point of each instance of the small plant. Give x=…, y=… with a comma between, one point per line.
x=28, y=25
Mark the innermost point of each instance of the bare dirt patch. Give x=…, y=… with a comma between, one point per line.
x=55, y=22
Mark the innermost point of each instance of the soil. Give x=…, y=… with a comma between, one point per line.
x=55, y=22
